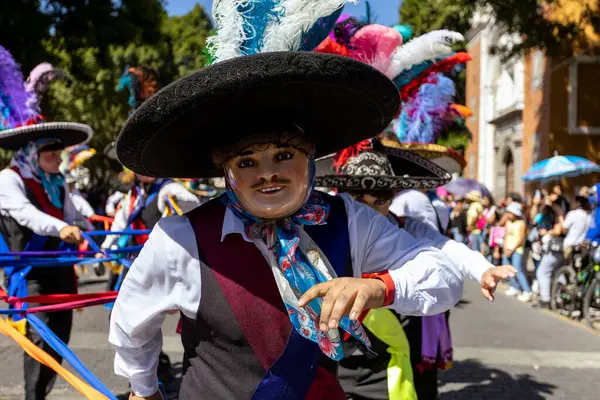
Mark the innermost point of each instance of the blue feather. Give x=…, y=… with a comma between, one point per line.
x=127, y=81
x=423, y=117
x=257, y=15
x=319, y=31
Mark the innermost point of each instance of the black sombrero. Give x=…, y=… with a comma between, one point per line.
x=380, y=168
x=336, y=101
x=20, y=119
x=69, y=134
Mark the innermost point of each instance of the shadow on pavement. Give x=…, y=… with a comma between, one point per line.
x=470, y=380
x=462, y=303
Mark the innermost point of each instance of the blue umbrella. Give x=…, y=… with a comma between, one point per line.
x=559, y=167
x=462, y=186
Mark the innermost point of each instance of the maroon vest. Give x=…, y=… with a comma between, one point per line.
x=242, y=325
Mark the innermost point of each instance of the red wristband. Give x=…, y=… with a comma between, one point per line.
x=390, y=286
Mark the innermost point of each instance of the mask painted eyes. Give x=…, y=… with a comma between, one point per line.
x=281, y=156
x=284, y=155
x=245, y=163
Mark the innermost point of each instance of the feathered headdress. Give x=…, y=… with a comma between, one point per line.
x=257, y=26
x=18, y=107
x=409, y=65
x=140, y=82
x=40, y=78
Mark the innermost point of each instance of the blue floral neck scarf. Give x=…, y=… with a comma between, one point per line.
x=26, y=159
x=296, y=268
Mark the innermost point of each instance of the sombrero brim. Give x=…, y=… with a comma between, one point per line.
x=69, y=133
x=337, y=101
x=411, y=172
x=445, y=157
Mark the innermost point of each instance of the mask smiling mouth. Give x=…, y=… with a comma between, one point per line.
x=271, y=189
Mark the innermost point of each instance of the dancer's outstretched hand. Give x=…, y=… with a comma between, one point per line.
x=345, y=296
x=492, y=276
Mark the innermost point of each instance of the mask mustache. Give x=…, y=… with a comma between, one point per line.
x=261, y=185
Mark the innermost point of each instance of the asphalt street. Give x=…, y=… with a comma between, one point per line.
x=504, y=350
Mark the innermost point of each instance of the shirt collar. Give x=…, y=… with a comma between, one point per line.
x=232, y=224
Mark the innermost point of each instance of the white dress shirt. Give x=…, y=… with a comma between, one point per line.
x=415, y=204
x=166, y=276
x=470, y=263
x=81, y=204
x=111, y=203
x=14, y=203
x=185, y=199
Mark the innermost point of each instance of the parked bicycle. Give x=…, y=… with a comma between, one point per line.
x=576, y=287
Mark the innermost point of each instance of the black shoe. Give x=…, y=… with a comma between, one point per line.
x=164, y=370
x=99, y=269
x=545, y=305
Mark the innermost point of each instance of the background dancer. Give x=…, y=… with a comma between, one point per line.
x=373, y=174
x=36, y=211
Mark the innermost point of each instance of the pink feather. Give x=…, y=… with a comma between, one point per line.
x=374, y=45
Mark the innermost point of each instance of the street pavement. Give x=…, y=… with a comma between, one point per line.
x=505, y=350
x=508, y=350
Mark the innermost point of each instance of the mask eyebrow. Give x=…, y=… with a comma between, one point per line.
x=246, y=153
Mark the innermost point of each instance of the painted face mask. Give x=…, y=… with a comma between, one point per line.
x=270, y=182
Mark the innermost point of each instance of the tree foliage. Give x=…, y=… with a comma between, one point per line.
x=561, y=28
x=427, y=15
x=93, y=42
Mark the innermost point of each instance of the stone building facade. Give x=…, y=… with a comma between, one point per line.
x=526, y=109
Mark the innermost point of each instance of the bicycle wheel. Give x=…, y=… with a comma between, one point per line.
x=591, y=305
x=563, y=294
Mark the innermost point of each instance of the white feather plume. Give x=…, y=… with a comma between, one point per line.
x=227, y=42
x=427, y=47
x=300, y=16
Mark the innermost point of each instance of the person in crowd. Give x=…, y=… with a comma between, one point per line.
x=539, y=219
x=458, y=221
x=593, y=233
x=417, y=204
x=36, y=213
x=441, y=209
x=513, y=196
x=474, y=214
x=552, y=247
x=584, y=191
x=576, y=225
x=557, y=198
x=119, y=188
x=514, y=249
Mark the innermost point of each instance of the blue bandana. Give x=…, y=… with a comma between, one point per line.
x=26, y=159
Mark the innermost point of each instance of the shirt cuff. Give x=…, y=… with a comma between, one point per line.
x=144, y=386
x=58, y=227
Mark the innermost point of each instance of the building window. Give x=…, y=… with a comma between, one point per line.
x=509, y=168
x=584, y=102
x=537, y=69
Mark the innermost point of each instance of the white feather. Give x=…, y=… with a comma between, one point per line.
x=427, y=47
x=226, y=43
x=300, y=15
